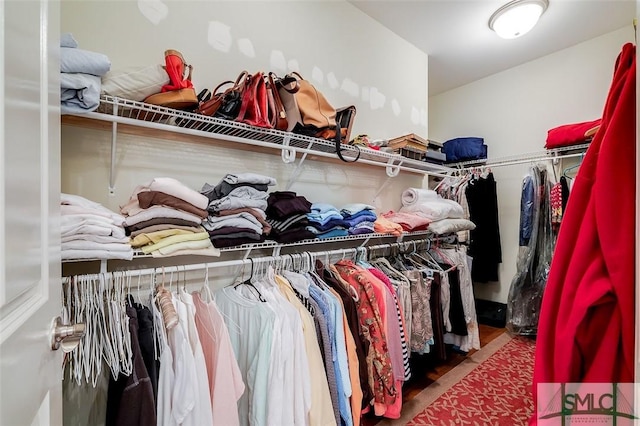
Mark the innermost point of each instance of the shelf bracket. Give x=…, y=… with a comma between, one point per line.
x=393, y=169
x=382, y=187
x=288, y=152
x=114, y=141
x=298, y=169
x=276, y=250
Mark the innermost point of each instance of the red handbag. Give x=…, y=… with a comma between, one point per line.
x=254, y=109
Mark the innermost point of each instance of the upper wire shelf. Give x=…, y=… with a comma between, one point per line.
x=548, y=154
x=118, y=110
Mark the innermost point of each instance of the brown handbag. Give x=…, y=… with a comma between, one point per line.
x=304, y=104
x=229, y=100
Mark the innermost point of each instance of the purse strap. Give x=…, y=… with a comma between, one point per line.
x=339, y=145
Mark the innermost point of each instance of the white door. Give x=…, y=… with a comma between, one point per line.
x=30, y=372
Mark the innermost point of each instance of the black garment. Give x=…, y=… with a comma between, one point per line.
x=130, y=398
x=282, y=204
x=456, y=308
x=485, y=245
x=437, y=322
x=565, y=193
x=145, y=337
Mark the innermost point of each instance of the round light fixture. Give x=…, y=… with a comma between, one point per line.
x=517, y=17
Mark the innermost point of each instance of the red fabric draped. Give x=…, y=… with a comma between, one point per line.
x=587, y=319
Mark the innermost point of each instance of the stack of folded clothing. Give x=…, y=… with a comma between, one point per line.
x=572, y=134
x=91, y=231
x=287, y=215
x=164, y=219
x=359, y=218
x=325, y=221
x=80, y=78
x=382, y=225
x=442, y=215
x=409, y=222
x=236, y=207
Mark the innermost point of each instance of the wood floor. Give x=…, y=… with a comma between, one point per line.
x=426, y=370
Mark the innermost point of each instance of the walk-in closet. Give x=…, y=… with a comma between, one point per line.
x=316, y=213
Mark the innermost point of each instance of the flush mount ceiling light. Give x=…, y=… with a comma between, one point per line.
x=517, y=17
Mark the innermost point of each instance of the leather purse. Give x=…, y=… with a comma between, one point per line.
x=277, y=111
x=227, y=104
x=254, y=109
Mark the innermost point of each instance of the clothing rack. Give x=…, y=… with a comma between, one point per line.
x=547, y=155
x=311, y=256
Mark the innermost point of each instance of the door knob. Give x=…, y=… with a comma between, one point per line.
x=66, y=335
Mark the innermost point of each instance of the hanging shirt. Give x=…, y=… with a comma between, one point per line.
x=250, y=326
x=225, y=378
x=321, y=412
x=378, y=360
x=201, y=413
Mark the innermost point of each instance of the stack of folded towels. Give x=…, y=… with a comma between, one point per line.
x=80, y=78
x=236, y=207
x=287, y=215
x=164, y=218
x=91, y=231
x=359, y=218
x=325, y=221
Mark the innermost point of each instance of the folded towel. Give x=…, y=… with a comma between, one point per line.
x=78, y=201
x=67, y=40
x=74, y=60
x=79, y=93
x=413, y=196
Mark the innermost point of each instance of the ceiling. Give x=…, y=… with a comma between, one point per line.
x=462, y=48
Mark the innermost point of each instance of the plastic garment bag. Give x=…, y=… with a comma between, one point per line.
x=534, y=254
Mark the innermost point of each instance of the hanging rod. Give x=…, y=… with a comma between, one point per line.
x=264, y=259
x=550, y=154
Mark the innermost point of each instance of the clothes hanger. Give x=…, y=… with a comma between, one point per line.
x=250, y=284
x=163, y=297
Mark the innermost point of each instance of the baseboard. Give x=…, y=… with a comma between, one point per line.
x=491, y=313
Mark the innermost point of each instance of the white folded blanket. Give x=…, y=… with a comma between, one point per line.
x=72, y=254
x=78, y=201
x=154, y=212
x=74, y=60
x=411, y=196
x=433, y=210
x=446, y=226
x=79, y=93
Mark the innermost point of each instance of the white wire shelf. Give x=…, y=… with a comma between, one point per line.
x=133, y=113
x=548, y=154
x=262, y=249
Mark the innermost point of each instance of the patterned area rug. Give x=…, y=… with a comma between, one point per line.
x=495, y=392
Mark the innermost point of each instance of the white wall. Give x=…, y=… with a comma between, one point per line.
x=514, y=109
x=350, y=57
